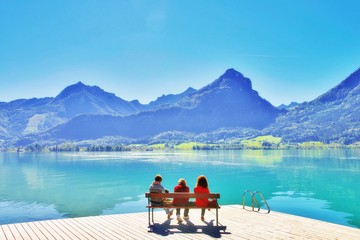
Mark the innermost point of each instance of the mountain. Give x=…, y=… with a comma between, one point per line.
x=226, y=108
x=22, y=115
x=27, y=116
x=82, y=99
x=291, y=105
x=32, y=116
x=227, y=102
x=230, y=101
x=332, y=117
x=170, y=99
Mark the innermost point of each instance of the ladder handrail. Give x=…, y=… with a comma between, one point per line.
x=253, y=199
x=260, y=194
x=244, y=196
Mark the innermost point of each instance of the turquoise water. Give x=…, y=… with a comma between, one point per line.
x=320, y=184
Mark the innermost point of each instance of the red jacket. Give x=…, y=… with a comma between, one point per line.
x=180, y=201
x=201, y=202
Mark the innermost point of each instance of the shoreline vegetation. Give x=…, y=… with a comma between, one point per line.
x=259, y=143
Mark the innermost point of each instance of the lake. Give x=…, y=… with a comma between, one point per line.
x=319, y=184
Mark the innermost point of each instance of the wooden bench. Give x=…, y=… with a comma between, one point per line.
x=190, y=205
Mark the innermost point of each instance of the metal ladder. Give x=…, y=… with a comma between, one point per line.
x=254, y=200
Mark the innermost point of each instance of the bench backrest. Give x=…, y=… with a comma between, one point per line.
x=182, y=195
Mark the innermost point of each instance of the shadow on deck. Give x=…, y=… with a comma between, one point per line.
x=165, y=228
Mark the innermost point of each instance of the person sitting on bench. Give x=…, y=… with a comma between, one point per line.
x=181, y=187
x=202, y=187
x=156, y=187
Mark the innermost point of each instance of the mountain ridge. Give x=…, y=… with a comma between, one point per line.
x=228, y=102
x=332, y=117
x=342, y=89
x=170, y=98
x=31, y=116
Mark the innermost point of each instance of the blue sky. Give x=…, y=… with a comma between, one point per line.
x=291, y=50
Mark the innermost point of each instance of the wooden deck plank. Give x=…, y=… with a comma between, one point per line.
x=45, y=230
x=34, y=234
x=39, y=231
x=2, y=234
x=102, y=229
x=133, y=229
x=22, y=231
x=29, y=231
x=305, y=227
x=16, y=234
x=281, y=228
x=137, y=224
x=7, y=232
x=139, y=220
x=77, y=233
x=109, y=227
x=163, y=229
x=93, y=230
x=54, y=232
x=240, y=224
x=78, y=230
x=62, y=229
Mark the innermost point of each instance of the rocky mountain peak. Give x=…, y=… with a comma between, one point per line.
x=81, y=88
x=231, y=79
x=232, y=73
x=78, y=87
x=190, y=90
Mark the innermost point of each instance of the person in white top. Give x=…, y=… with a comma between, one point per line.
x=156, y=187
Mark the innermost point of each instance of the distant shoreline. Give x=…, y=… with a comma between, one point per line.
x=186, y=146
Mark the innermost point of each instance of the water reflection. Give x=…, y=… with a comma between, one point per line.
x=320, y=184
x=13, y=212
x=309, y=207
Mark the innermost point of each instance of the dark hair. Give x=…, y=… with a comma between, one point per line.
x=202, y=181
x=158, y=178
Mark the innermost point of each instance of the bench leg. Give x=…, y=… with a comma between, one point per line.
x=217, y=218
x=149, y=215
x=152, y=211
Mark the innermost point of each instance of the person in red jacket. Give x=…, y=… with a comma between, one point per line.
x=181, y=187
x=202, y=187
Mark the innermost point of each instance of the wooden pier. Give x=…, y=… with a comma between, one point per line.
x=235, y=223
